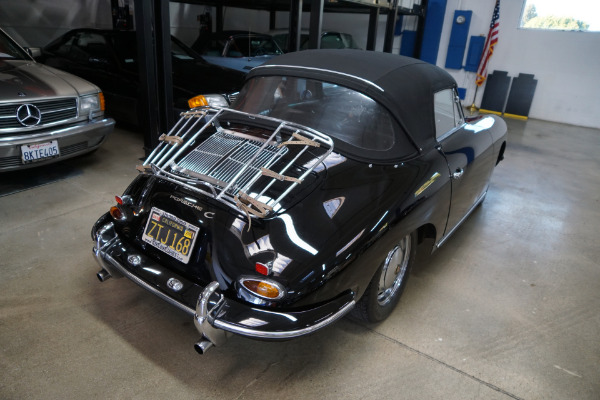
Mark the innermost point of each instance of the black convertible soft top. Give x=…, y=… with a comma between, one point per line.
x=404, y=85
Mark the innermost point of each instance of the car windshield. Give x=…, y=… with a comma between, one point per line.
x=125, y=46
x=179, y=51
x=252, y=46
x=340, y=112
x=9, y=50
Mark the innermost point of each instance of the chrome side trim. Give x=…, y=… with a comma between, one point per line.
x=479, y=200
x=283, y=334
x=450, y=132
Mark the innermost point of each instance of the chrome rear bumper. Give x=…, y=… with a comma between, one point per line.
x=215, y=316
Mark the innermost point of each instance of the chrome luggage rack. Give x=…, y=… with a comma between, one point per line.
x=228, y=165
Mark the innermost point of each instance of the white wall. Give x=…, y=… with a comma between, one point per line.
x=184, y=21
x=566, y=64
x=35, y=23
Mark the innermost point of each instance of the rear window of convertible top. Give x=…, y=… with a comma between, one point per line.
x=340, y=112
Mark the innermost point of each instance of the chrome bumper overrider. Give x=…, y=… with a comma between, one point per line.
x=215, y=316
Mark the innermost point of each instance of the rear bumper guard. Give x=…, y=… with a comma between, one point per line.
x=215, y=316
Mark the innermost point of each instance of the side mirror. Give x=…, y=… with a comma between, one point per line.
x=34, y=52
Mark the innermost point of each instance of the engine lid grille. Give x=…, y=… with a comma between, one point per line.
x=234, y=167
x=222, y=156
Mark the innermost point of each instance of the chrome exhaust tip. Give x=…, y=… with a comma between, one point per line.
x=202, y=346
x=103, y=275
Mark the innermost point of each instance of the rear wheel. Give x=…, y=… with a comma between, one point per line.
x=387, y=285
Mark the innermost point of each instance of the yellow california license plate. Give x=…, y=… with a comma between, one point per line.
x=170, y=234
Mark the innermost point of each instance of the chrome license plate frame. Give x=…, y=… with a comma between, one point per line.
x=35, y=152
x=170, y=234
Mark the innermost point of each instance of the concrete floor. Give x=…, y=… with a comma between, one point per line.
x=508, y=308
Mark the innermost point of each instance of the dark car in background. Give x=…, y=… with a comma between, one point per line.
x=109, y=59
x=46, y=115
x=240, y=50
x=304, y=200
x=329, y=40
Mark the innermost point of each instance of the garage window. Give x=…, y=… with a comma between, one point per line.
x=578, y=15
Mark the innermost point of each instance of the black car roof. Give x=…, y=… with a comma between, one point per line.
x=404, y=85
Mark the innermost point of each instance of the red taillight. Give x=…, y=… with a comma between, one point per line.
x=262, y=269
x=119, y=200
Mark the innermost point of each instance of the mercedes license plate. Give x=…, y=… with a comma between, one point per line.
x=170, y=234
x=39, y=151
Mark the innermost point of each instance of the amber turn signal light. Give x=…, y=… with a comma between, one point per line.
x=102, y=103
x=264, y=289
x=116, y=213
x=197, y=101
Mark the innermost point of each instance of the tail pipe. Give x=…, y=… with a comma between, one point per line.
x=103, y=275
x=202, y=346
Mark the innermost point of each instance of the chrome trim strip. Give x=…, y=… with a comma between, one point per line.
x=283, y=334
x=479, y=200
x=446, y=135
x=328, y=71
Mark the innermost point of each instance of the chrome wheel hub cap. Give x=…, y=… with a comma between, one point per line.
x=394, y=270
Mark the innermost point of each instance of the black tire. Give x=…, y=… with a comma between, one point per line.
x=384, y=290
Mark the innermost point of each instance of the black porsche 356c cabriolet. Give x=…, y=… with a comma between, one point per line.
x=306, y=199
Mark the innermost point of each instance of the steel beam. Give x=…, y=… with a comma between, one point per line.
x=372, y=30
x=316, y=24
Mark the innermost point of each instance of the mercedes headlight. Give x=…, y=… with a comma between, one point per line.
x=91, y=103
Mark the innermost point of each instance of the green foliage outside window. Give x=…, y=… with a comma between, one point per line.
x=531, y=20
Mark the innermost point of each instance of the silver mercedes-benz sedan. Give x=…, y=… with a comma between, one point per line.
x=46, y=115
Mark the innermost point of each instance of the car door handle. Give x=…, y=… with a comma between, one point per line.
x=458, y=173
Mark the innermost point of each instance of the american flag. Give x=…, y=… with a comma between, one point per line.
x=490, y=42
